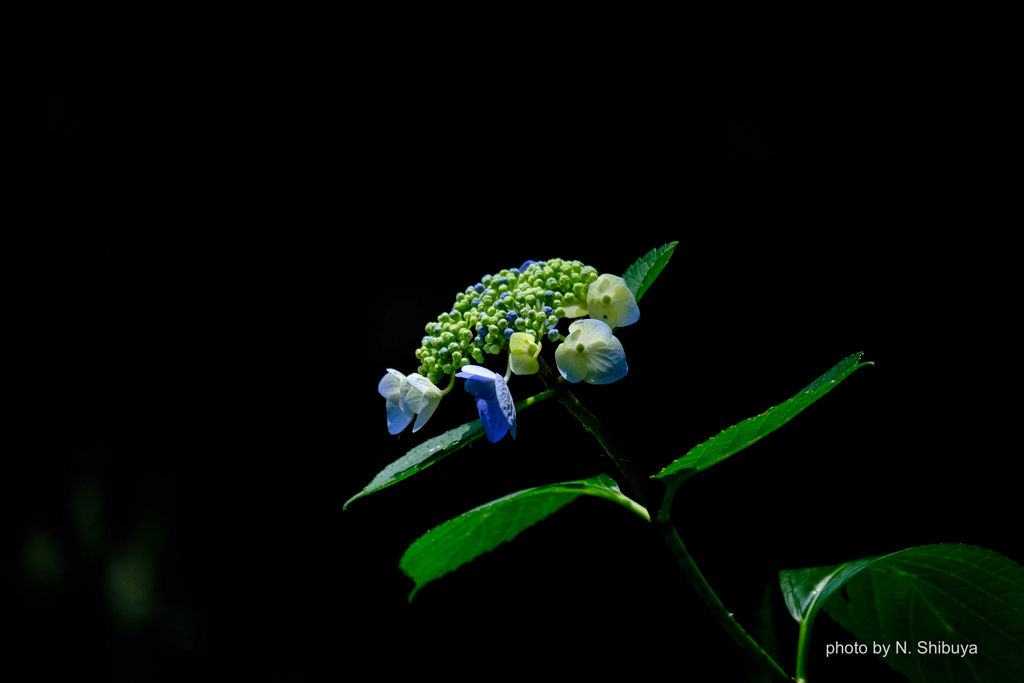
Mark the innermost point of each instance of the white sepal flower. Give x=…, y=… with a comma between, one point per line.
x=609, y=300
x=591, y=354
x=393, y=387
x=422, y=399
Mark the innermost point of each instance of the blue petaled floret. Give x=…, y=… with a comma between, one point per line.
x=479, y=287
x=508, y=333
x=512, y=316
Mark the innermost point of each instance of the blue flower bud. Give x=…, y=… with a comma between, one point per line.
x=499, y=281
x=476, y=301
x=511, y=316
x=547, y=310
x=437, y=329
x=509, y=332
x=553, y=335
x=513, y=271
x=485, y=280
x=479, y=287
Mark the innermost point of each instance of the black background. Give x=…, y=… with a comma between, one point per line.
x=230, y=242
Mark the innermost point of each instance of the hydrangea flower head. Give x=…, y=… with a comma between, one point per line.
x=609, y=300
x=591, y=354
x=523, y=352
x=493, y=401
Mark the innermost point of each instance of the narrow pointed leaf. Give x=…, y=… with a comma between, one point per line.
x=432, y=450
x=422, y=457
x=448, y=546
x=946, y=596
x=641, y=274
x=736, y=438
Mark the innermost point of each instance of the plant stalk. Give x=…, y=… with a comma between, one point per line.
x=641, y=485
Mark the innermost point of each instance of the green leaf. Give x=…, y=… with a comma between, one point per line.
x=641, y=274
x=942, y=595
x=448, y=546
x=736, y=438
x=422, y=457
x=432, y=450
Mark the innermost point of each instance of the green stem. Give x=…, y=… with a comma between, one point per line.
x=718, y=610
x=803, y=649
x=665, y=527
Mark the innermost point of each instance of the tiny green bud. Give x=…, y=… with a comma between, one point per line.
x=435, y=376
x=429, y=329
x=559, y=312
x=444, y=318
x=494, y=349
x=464, y=362
x=520, y=324
x=429, y=360
x=489, y=338
x=501, y=324
x=455, y=315
x=443, y=352
x=465, y=334
x=502, y=289
x=456, y=356
x=422, y=370
x=564, y=282
x=576, y=277
x=552, y=320
x=419, y=353
x=577, y=289
x=503, y=272
x=531, y=299
x=446, y=368
x=486, y=280
x=478, y=355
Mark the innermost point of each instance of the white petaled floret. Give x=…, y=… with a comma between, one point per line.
x=610, y=300
x=591, y=354
x=408, y=397
x=522, y=353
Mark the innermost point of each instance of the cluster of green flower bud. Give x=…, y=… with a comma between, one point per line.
x=486, y=314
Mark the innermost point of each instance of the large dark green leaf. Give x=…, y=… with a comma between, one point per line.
x=450, y=545
x=738, y=437
x=945, y=596
x=641, y=274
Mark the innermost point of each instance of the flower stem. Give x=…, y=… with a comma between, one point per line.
x=641, y=485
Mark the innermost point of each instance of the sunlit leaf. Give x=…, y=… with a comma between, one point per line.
x=736, y=438
x=448, y=546
x=646, y=269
